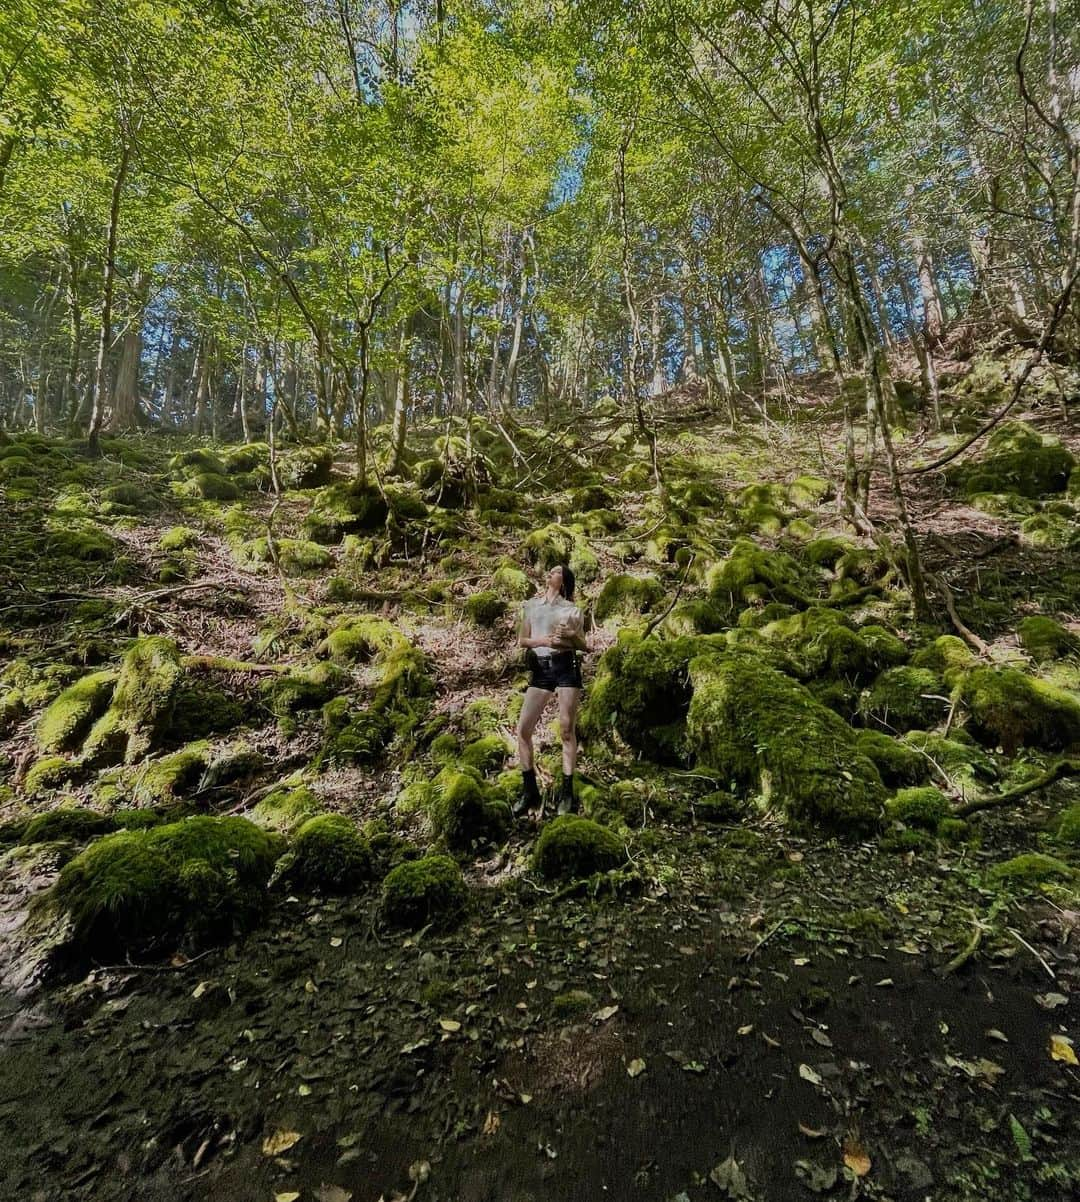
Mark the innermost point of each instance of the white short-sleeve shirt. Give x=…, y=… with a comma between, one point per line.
x=544, y=616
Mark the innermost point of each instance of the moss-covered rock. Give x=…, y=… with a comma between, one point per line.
x=825, y=642
x=308, y=467
x=209, y=486
x=82, y=542
x=510, y=581
x=550, y=546
x=142, y=703
x=762, y=507
x=304, y=688
x=1054, y=530
x=358, y=640
x=328, y=854
x=923, y=807
x=203, y=878
x=1044, y=639
x=464, y=812
x=754, y=726
x=807, y=492
x=571, y=847
x=65, y=722
x=67, y=823
x=285, y=808
x=166, y=780
x=295, y=556
x=958, y=756
x=244, y=459
x=897, y=763
x=1018, y=460
x=628, y=596
x=198, y=461
x=751, y=574
x=1003, y=505
x=50, y=772
x=947, y=656
x=825, y=552
x=485, y=608
x=1007, y=707
x=1029, y=871
x=127, y=498
x=179, y=538
x=486, y=754
x=430, y=890
x=1067, y=832
x=907, y=698
x=347, y=507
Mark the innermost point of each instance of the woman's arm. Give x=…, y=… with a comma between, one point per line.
x=572, y=635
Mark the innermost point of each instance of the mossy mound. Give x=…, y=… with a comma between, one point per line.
x=571, y=848
x=179, y=538
x=247, y=458
x=510, y=581
x=347, y=507
x=48, y=773
x=756, y=727
x=485, y=608
x=825, y=642
x=486, y=754
x=807, y=492
x=896, y=762
x=304, y=689
x=67, y=823
x=958, y=756
x=1003, y=505
x=295, y=556
x=209, y=486
x=196, y=462
x=85, y=543
x=309, y=467
x=947, y=656
x=922, y=807
x=202, y=878
x=554, y=544
x=285, y=808
x=166, y=780
x=1018, y=460
x=762, y=508
x=827, y=551
x=464, y=812
x=428, y=891
x=903, y=699
x=1044, y=639
x=127, y=499
x=1007, y=707
x=628, y=596
x=359, y=640
x=328, y=854
x=1067, y=833
x=1029, y=871
x=642, y=690
x=751, y=574
x=142, y=705
x=65, y=722
x=1055, y=530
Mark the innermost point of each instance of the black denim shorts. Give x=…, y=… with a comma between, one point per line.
x=559, y=670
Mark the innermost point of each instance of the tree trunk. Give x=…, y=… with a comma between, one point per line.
x=202, y=386
x=125, y=406
x=399, y=426
x=933, y=322
x=659, y=376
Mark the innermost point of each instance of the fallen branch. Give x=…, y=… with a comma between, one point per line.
x=962, y=957
x=218, y=663
x=969, y=636
x=674, y=600
x=1053, y=773
x=1024, y=943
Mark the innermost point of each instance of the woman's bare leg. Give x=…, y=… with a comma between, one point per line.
x=531, y=711
x=569, y=700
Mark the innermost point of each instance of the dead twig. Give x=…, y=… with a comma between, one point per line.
x=1024, y=943
x=969, y=636
x=1053, y=773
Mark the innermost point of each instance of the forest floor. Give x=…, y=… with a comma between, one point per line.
x=764, y=1013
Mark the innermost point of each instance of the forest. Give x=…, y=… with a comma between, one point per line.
x=337, y=336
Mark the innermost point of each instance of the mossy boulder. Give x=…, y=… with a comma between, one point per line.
x=897, y=763
x=304, y=688
x=167, y=779
x=359, y=640
x=947, y=656
x=244, y=459
x=197, y=461
x=428, y=891
x=485, y=608
x=347, y=507
x=1055, y=530
x=141, y=709
x=922, y=807
x=763, y=507
x=1007, y=707
x=826, y=643
x=65, y=722
x=179, y=538
x=48, y=773
x=807, y=492
x=67, y=823
x=571, y=847
x=550, y=546
x=1067, y=832
x=329, y=854
x=758, y=728
x=1044, y=639
x=202, y=878
x=85, y=543
x=906, y=698
x=209, y=486
x=486, y=754
x=1018, y=460
x=308, y=467
x=510, y=581
x=295, y=556
x=628, y=596
x=1029, y=871
x=752, y=574
x=285, y=808
x=958, y=756
x=465, y=813
x=127, y=498
x=825, y=552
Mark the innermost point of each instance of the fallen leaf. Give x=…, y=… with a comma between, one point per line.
x=801, y=961
x=337, y=941
x=693, y=1066
x=1061, y=1048
x=820, y=1038
x=745, y=1030
x=288, y=1196
x=280, y=1141
x=525, y=1098
x=808, y=1074
x=420, y=1171
x=635, y=1068
x=1051, y=1001
x=304, y=1090
x=773, y=1043
x=812, y=1132
x=449, y=1025
x=200, y=989
x=602, y=1015
x=332, y=1193
x=1000, y=1036
x=491, y=1124
x=310, y=987
x=883, y=982
x=856, y=1157
x=729, y=1177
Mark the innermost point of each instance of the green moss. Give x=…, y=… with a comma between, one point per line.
x=762, y=507
x=825, y=642
x=50, y=772
x=510, y=581
x=345, y=508
x=82, y=542
x=1002, y=505
x=750, y=574
x=464, y=812
x=285, y=808
x=201, y=708
x=482, y=717
x=1067, y=833
x=903, y=699
x=549, y=546
x=1015, y=710
x=756, y=727
x=948, y=656
x=309, y=467
x=486, y=754
x=697, y=617
x=628, y=596
x=571, y=847
x=179, y=538
x=304, y=688
x=296, y=557
x=427, y=891
x=65, y=722
x=74, y=824
x=720, y=807
x=353, y=736
x=920, y=807
x=361, y=639
x=247, y=458
x=825, y=552
x=583, y=561
x=209, y=486
x=1028, y=871
x=485, y=608
x=203, y=877
x=328, y=854
x=1044, y=639
x=1033, y=469
x=1050, y=530
x=958, y=757
x=165, y=780
x=127, y=498
x=574, y=1001
x=142, y=705
x=896, y=762
x=135, y=819
x=196, y=462
x=807, y=492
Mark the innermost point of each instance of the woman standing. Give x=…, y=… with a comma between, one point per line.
x=552, y=631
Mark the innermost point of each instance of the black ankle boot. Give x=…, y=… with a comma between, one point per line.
x=530, y=798
x=566, y=795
